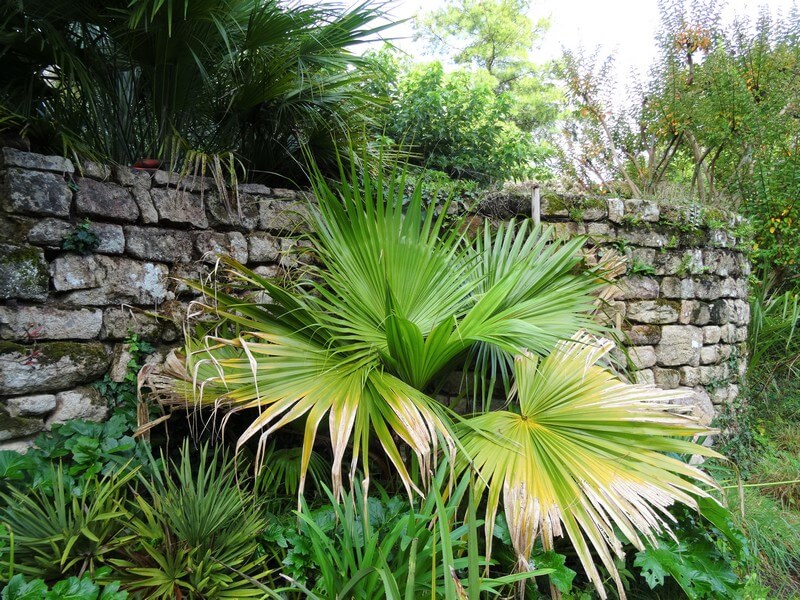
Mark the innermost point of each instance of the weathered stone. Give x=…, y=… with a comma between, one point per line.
x=244, y=217
x=255, y=189
x=644, y=377
x=643, y=335
x=147, y=209
x=282, y=216
x=645, y=256
x=741, y=334
x=616, y=210
x=263, y=247
x=111, y=237
x=37, y=193
x=700, y=403
x=720, y=394
x=653, y=311
x=31, y=406
x=599, y=232
x=188, y=182
x=741, y=312
x=695, y=312
x=612, y=313
x=722, y=312
x=50, y=232
x=644, y=237
x=725, y=351
x=690, y=376
x=711, y=334
x=49, y=366
x=566, y=230
x=14, y=228
x=728, y=333
x=74, y=272
x=81, y=403
x=95, y=170
x=179, y=207
x=11, y=157
x=17, y=427
x=19, y=445
x=268, y=271
x=119, y=363
x=713, y=374
x=646, y=210
x=637, y=287
x=680, y=345
x=210, y=244
x=709, y=355
x=182, y=272
x=675, y=287
x=25, y=323
x=642, y=357
x=105, y=200
x=667, y=379
x=122, y=280
x=721, y=262
x=742, y=288
x=23, y=273
x=721, y=239
x=118, y=323
x=131, y=177
x=166, y=245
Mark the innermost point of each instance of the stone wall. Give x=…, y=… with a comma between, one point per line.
x=64, y=315
x=682, y=307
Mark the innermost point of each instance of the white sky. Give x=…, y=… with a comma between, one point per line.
x=624, y=28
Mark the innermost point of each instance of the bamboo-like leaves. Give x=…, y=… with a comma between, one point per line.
x=583, y=456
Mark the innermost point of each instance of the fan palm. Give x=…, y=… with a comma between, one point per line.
x=400, y=299
x=584, y=454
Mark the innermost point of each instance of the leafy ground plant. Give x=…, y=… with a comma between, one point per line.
x=73, y=588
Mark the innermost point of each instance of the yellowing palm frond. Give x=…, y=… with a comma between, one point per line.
x=584, y=456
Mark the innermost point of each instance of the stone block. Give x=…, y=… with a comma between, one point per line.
x=680, y=345
x=179, y=207
x=210, y=245
x=728, y=333
x=637, y=287
x=263, y=247
x=666, y=379
x=653, y=311
x=17, y=427
x=566, y=230
x=721, y=262
x=644, y=377
x=105, y=200
x=741, y=312
x=701, y=407
x=26, y=323
x=118, y=323
x=713, y=374
x=95, y=170
x=11, y=157
x=644, y=237
x=642, y=357
x=722, y=312
x=131, y=177
x=643, y=335
x=163, y=245
x=725, y=351
x=720, y=394
x=50, y=366
x=616, y=210
x=645, y=210
x=74, y=272
x=709, y=355
x=81, y=403
x=599, y=232
x=741, y=334
x=50, y=232
x=690, y=376
x=147, y=209
x=123, y=280
x=711, y=334
x=695, y=312
x=282, y=216
x=37, y=193
x=31, y=406
x=270, y=271
x=645, y=256
x=254, y=189
x=188, y=182
x=23, y=273
x=244, y=217
x=676, y=287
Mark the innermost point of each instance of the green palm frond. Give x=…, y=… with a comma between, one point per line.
x=585, y=456
x=401, y=298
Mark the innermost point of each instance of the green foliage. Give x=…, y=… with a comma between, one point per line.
x=123, y=395
x=150, y=79
x=458, y=124
x=638, y=267
x=83, y=240
x=85, y=588
x=194, y=534
x=55, y=533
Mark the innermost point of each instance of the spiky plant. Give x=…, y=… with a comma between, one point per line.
x=583, y=454
x=399, y=300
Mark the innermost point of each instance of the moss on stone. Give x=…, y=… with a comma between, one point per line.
x=17, y=427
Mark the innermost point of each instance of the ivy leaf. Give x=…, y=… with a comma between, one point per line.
x=562, y=576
